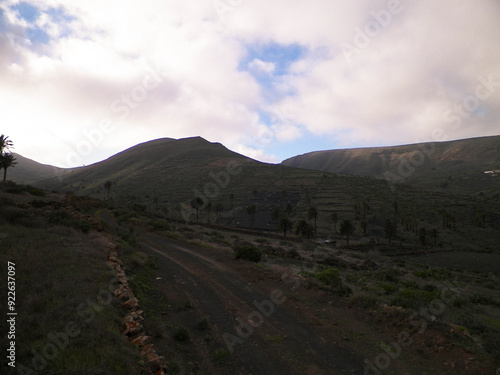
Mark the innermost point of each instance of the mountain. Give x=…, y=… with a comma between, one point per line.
x=457, y=166
x=28, y=171
x=167, y=175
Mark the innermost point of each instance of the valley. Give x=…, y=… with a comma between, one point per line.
x=243, y=267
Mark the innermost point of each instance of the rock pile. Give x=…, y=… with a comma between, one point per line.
x=134, y=330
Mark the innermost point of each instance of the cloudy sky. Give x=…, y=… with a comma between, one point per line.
x=82, y=80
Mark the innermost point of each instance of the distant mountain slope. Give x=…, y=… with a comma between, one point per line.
x=147, y=166
x=168, y=175
x=28, y=171
x=455, y=165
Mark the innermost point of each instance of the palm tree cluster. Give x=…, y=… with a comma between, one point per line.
x=7, y=158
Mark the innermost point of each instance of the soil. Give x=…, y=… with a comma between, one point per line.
x=264, y=321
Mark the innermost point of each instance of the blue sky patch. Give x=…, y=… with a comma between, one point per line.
x=27, y=11
x=282, y=56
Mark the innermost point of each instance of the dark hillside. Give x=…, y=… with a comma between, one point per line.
x=457, y=166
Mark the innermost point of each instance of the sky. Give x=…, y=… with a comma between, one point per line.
x=81, y=81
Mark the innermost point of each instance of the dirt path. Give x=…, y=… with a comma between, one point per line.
x=278, y=337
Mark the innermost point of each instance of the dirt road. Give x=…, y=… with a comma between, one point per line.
x=254, y=314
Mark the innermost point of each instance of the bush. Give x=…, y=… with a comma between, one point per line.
x=181, y=334
x=330, y=277
x=387, y=288
x=388, y=274
x=202, y=324
x=64, y=218
x=414, y=298
x=248, y=252
x=160, y=224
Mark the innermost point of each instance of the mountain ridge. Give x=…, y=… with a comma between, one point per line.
x=427, y=165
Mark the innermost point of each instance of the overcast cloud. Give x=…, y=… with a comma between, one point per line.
x=80, y=82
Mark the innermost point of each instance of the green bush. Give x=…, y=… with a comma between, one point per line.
x=248, y=252
x=414, y=298
x=160, y=224
x=181, y=334
x=388, y=274
x=388, y=288
x=330, y=276
x=202, y=324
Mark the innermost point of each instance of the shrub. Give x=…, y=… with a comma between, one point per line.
x=388, y=274
x=160, y=224
x=414, y=298
x=248, y=252
x=330, y=277
x=181, y=334
x=388, y=288
x=202, y=324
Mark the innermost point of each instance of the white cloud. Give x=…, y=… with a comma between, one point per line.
x=261, y=66
x=98, y=62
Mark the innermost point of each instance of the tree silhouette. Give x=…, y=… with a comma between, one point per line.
x=285, y=224
x=346, y=229
x=334, y=218
x=251, y=210
x=422, y=236
x=107, y=186
x=197, y=203
x=389, y=229
x=434, y=235
x=364, y=226
x=5, y=143
x=7, y=160
x=219, y=207
x=304, y=229
x=208, y=207
x=275, y=216
x=312, y=213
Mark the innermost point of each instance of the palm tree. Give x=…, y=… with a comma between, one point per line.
x=107, y=186
x=364, y=226
x=389, y=229
x=7, y=160
x=208, y=207
x=312, y=213
x=219, y=207
x=422, y=233
x=334, y=218
x=304, y=229
x=285, y=225
x=197, y=203
x=275, y=215
x=346, y=229
x=251, y=210
x=5, y=143
x=434, y=235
